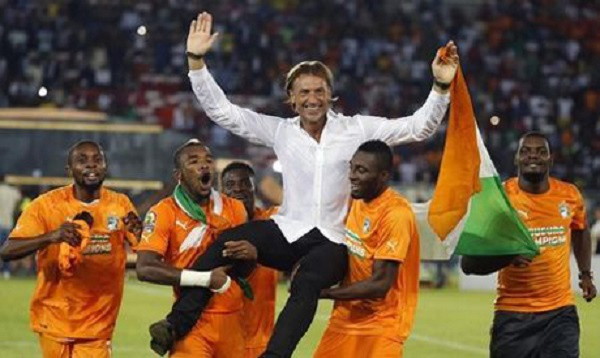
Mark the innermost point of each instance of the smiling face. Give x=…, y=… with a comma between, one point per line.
x=87, y=166
x=195, y=171
x=310, y=97
x=238, y=184
x=367, y=179
x=533, y=158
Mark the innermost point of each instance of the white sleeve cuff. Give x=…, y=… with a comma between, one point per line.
x=444, y=98
x=198, y=74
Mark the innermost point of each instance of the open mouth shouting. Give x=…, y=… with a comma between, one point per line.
x=205, y=183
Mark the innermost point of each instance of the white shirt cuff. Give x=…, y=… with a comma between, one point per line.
x=198, y=74
x=436, y=97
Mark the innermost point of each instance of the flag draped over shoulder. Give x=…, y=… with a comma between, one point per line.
x=469, y=213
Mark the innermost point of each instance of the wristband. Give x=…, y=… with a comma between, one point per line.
x=195, y=278
x=223, y=288
x=441, y=85
x=193, y=56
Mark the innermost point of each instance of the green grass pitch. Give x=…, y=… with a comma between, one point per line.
x=449, y=323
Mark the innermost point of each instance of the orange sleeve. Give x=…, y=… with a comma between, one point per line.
x=395, y=232
x=157, y=228
x=579, y=215
x=31, y=223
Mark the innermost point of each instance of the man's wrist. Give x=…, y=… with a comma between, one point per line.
x=586, y=274
x=194, y=56
x=442, y=85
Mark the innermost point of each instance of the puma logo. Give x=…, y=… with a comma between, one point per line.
x=180, y=224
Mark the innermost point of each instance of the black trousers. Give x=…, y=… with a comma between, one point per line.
x=322, y=264
x=551, y=334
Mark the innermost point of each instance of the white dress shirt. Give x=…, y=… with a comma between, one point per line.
x=316, y=188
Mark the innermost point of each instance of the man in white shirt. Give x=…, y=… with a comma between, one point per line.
x=314, y=150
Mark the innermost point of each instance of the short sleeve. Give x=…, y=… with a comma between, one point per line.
x=395, y=232
x=31, y=223
x=579, y=221
x=157, y=229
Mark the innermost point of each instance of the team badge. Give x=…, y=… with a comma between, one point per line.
x=149, y=222
x=564, y=210
x=366, y=225
x=112, y=223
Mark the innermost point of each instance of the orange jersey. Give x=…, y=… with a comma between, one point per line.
x=84, y=304
x=259, y=314
x=383, y=229
x=545, y=284
x=170, y=232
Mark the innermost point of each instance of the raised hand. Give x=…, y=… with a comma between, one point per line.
x=444, y=69
x=200, y=39
x=133, y=224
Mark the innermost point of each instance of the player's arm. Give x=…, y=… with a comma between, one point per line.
x=425, y=121
x=18, y=247
x=485, y=265
x=256, y=127
x=582, y=249
x=376, y=286
x=152, y=268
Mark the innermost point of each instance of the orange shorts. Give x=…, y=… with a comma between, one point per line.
x=335, y=345
x=75, y=348
x=215, y=335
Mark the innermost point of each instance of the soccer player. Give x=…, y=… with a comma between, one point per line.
x=237, y=180
x=176, y=231
x=314, y=149
x=74, y=312
x=375, y=305
x=535, y=314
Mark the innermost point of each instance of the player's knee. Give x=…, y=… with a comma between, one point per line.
x=306, y=283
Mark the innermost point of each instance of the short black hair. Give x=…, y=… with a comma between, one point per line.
x=535, y=134
x=382, y=151
x=80, y=144
x=190, y=143
x=237, y=166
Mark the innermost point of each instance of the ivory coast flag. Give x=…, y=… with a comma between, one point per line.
x=470, y=212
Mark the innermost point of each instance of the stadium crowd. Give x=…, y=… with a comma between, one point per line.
x=531, y=63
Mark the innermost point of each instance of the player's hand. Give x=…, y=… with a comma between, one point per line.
x=325, y=293
x=200, y=39
x=521, y=261
x=444, y=70
x=240, y=250
x=68, y=233
x=133, y=224
x=587, y=286
x=218, y=277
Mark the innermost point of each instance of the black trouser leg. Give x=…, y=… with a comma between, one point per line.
x=323, y=265
x=273, y=251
